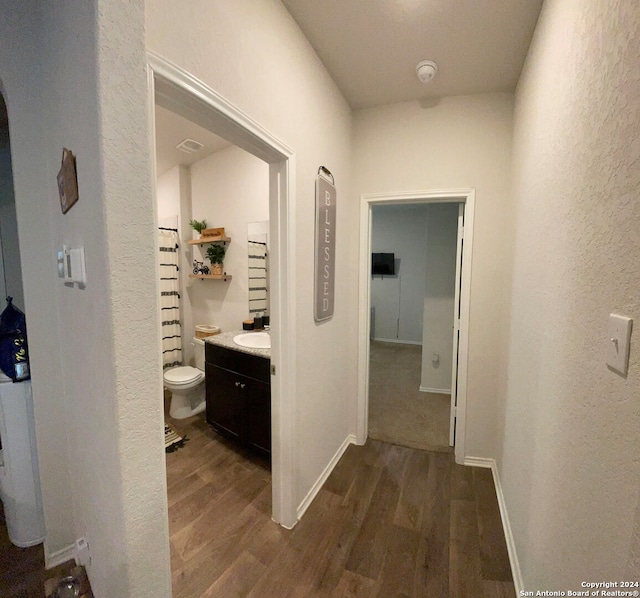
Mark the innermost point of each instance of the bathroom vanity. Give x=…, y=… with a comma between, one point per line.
x=238, y=392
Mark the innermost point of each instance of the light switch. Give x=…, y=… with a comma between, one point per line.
x=61, y=258
x=618, y=339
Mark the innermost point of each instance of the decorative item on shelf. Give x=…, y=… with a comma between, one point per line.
x=198, y=225
x=215, y=253
x=212, y=233
x=200, y=268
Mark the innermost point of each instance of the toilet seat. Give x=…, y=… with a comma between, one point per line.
x=183, y=375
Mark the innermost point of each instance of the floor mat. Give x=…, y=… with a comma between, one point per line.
x=172, y=441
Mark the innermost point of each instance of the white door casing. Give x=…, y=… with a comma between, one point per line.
x=367, y=201
x=177, y=90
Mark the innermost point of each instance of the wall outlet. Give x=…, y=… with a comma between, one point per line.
x=83, y=557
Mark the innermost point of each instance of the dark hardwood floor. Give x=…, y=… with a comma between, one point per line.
x=21, y=569
x=390, y=521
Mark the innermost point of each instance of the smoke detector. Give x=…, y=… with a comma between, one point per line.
x=426, y=70
x=189, y=146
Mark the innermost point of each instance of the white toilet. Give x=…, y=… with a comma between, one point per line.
x=187, y=386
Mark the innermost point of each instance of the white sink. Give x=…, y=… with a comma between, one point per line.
x=253, y=340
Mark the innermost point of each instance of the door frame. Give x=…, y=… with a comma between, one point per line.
x=367, y=202
x=179, y=91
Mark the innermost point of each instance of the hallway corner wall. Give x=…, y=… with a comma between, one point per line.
x=569, y=466
x=453, y=143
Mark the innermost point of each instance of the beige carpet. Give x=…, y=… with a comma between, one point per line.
x=398, y=412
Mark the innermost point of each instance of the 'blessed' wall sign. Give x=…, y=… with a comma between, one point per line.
x=325, y=245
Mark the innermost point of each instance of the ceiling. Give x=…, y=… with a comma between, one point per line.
x=171, y=129
x=371, y=47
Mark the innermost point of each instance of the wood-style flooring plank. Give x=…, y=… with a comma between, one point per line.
x=354, y=506
x=493, y=547
x=238, y=579
x=367, y=553
x=499, y=589
x=411, y=503
x=396, y=576
x=465, y=572
x=431, y=578
x=297, y=566
x=352, y=585
x=389, y=521
x=462, y=482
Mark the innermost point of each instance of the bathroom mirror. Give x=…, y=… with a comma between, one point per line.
x=258, y=248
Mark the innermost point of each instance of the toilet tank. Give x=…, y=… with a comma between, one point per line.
x=198, y=351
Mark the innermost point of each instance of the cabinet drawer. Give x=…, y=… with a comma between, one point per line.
x=249, y=365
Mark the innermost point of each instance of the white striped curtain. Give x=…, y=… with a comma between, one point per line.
x=170, y=298
x=258, y=300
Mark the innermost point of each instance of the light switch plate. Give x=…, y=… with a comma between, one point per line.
x=618, y=340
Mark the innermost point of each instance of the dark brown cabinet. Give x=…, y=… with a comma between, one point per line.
x=238, y=396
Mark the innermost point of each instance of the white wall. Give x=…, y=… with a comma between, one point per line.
x=569, y=464
x=438, y=305
x=401, y=230
x=451, y=143
x=20, y=72
x=94, y=352
x=168, y=195
x=230, y=189
x=293, y=97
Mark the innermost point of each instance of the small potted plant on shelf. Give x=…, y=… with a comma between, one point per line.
x=215, y=253
x=198, y=225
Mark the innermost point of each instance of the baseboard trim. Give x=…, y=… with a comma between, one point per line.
x=308, y=499
x=506, y=525
x=440, y=391
x=59, y=556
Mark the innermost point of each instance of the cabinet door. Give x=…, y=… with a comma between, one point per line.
x=259, y=416
x=225, y=398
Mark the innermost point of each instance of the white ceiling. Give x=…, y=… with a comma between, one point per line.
x=371, y=47
x=171, y=129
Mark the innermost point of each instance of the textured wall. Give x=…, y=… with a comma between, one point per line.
x=230, y=189
x=570, y=468
x=95, y=352
x=20, y=77
x=253, y=53
x=129, y=217
x=452, y=143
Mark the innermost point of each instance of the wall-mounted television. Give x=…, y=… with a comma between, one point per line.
x=383, y=263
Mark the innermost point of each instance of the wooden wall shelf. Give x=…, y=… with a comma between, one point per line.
x=224, y=277
x=203, y=240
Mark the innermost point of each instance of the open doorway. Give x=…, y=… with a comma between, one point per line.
x=176, y=90
x=412, y=294
x=459, y=308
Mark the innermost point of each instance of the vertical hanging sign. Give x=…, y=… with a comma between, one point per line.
x=325, y=244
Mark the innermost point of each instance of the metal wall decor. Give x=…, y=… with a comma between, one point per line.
x=325, y=261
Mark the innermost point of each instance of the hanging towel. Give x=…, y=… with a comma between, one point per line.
x=258, y=300
x=170, y=298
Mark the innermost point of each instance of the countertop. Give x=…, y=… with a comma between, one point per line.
x=225, y=339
